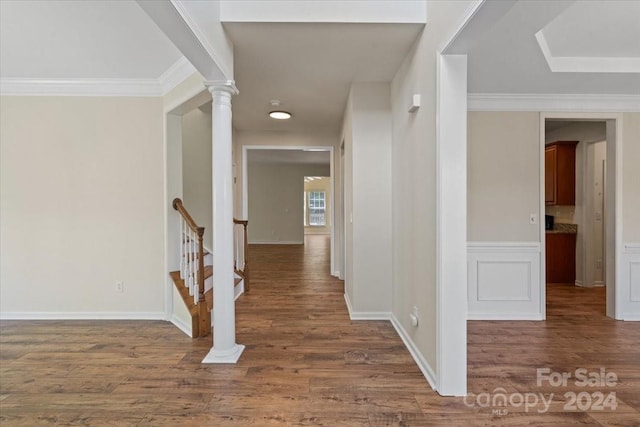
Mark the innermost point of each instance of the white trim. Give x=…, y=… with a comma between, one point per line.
x=576, y=64
x=422, y=363
x=365, y=315
x=451, y=224
x=504, y=316
x=176, y=74
x=172, y=77
x=238, y=290
x=503, y=246
x=614, y=277
x=630, y=317
x=632, y=248
x=178, y=323
x=201, y=36
x=486, y=298
x=80, y=87
x=471, y=11
x=70, y=315
x=553, y=102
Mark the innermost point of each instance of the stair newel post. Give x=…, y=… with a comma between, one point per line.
x=203, y=312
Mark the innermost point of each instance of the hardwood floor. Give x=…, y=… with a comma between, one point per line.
x=306, y=363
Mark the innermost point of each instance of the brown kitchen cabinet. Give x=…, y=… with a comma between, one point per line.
x=561, y=257
x=560, y=173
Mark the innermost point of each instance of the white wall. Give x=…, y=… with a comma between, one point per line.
x=197, y=170
x=368, y=195
x=82, y=207
x=276, y=201
x=414, y=185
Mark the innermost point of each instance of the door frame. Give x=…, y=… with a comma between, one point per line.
x=245, y=183
x=613, y=207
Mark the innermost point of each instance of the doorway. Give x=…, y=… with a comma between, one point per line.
x=586, y=230
x=268, y=170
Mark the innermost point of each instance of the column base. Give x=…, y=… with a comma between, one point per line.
x=227, y=356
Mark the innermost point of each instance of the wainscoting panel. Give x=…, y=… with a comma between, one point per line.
x=629, y=286
x=504, y=281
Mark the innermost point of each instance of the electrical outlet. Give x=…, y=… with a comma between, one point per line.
x=120, y=287
x=414, y=317
x=533, y=219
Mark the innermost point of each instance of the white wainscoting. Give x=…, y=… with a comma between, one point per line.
x=629, y=286
x=504, y=281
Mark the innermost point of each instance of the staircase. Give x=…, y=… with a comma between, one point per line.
x=191, y=280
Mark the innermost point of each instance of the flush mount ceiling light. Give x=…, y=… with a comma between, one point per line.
x=280, y=115
x=277, y=113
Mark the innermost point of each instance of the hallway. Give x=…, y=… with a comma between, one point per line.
x=306, y=363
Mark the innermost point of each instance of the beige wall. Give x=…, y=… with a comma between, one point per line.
x=197, y=170
x=503, y=176
x=276, y=201
x=631, y=177
x=413, y=180
x=367, y=136
x=322, y=184
x=82, y=206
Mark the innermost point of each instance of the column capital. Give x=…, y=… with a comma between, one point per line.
x=228, y=86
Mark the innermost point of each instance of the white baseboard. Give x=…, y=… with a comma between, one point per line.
x=46, y=315
x=422, y=363
x=238, y=290
x=579, y=283
x=365, y=315
x=504, y=316
x=178, y=323
x=630, y=317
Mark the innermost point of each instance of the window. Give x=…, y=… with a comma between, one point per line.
x=316, y=208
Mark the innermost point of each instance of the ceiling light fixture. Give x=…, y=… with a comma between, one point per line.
x=277, y=113
x=280, y=115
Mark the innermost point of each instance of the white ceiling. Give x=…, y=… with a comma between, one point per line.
x=596, y=29
x=506, y=57
x=310, y=67
x=289, y=157
x=81, y=39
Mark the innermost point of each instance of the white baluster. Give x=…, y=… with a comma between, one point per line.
x=182, y=266
x=189, y=282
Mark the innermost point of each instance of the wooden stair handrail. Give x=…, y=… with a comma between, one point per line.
x=177, y=205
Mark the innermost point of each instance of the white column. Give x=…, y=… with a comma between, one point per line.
x=451, y=246
x=225, y=349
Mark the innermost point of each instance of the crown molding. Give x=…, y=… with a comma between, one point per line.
x=552, y=102
x=79, y=87
x=176, y=74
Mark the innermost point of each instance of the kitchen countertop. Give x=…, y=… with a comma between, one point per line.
x=560, y=228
